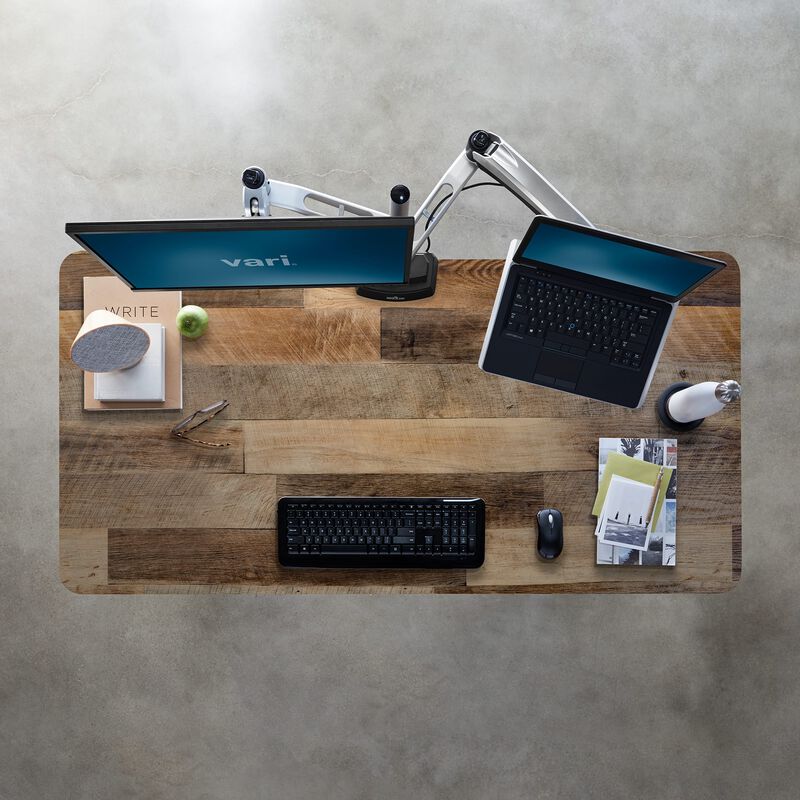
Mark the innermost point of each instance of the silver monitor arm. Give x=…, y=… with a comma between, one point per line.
x=492, y=154
x=260, y=194
x=486, y=151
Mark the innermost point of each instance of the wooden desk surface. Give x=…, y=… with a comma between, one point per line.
x=334, y=394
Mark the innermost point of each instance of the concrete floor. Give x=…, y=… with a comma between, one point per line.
x=678, y=122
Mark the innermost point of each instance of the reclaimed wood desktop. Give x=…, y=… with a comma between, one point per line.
x=334, y=394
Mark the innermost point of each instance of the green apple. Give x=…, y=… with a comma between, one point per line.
x=192, y=321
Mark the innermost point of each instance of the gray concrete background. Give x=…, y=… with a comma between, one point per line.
x=674, y=121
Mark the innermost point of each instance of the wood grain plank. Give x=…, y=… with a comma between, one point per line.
x=69, y=325
x=450, y=446
x=432, y=336
x=651, y=582
x=511, y=560
x=252, y=589
x=239, y=556
x=723, y=289
x=76, y=265
x=701, y=334
x=472, y=284
x=270, y=336
x=698, y=335
x=461, y=284
x=83, y=559
x=704, y=495
x=513, y=498
x=156, y=499
x=388, y=390
x=288, y=336
x=243, y=298
x=104, y=444
x=71, y=404
x=707, y=495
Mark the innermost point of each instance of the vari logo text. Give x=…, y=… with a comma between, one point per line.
x=281, y=261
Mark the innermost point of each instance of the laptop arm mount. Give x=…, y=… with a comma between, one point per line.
x=484, y=151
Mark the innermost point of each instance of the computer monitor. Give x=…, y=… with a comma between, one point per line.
x=252, y=253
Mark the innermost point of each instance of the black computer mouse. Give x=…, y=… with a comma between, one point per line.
x=550, y=540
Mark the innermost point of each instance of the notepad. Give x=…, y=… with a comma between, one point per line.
x=142, y=382
x=627, y=472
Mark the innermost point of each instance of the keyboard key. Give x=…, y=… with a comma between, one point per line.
x=558, y=339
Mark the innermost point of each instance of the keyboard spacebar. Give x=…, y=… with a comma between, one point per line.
x=347, y=549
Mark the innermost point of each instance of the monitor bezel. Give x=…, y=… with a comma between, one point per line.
x=75, y=229
x=540, y=220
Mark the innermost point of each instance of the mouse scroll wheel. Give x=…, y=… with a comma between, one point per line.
x=550, y=518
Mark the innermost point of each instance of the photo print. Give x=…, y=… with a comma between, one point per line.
x=625, y=557
x=624, y=514
x=605, y=553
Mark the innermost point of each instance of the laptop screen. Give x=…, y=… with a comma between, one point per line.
x=658, y=270
x=252, y=253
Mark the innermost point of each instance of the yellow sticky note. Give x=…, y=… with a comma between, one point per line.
x=636, y=470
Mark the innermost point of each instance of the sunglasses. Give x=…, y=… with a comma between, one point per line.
x=196, y=420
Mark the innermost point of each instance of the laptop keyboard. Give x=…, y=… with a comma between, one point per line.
x=579, y=322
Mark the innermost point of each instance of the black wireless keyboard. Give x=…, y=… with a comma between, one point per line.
x=381, y=532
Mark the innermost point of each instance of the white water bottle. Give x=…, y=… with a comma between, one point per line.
x=702, y=400
x=683, y=406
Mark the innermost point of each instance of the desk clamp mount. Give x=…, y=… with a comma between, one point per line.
x=484, y=151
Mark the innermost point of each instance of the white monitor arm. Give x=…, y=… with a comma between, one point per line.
x=492, y=154
x=484, y=150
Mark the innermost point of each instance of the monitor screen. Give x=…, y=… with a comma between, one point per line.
x=659, y=270
x=252, y=252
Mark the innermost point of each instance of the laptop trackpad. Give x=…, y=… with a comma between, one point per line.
x=553, y=369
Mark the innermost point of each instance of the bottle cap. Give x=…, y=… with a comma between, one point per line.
x=728, y=391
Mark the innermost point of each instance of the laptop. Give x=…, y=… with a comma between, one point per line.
x=587, y=311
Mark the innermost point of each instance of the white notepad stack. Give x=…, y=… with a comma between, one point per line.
x=142, y=382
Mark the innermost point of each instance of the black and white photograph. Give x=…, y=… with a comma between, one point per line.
x=624, y=514
x=672, y=489
x=624, y=556
x=653, y=450
x=630, y=447
x=605, y=553
x=624, y=533
x=652, y=557
x=668, y=555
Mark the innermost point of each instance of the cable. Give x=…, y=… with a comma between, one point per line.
x=447, y=197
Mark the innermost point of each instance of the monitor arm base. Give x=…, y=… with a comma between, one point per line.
x=421, y=282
